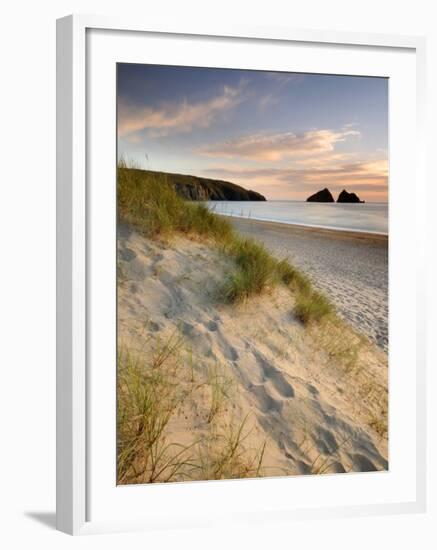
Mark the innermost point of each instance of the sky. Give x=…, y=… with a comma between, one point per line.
x=285, y=135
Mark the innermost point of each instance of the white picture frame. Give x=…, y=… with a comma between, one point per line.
x=74, y=461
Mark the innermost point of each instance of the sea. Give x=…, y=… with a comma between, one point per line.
x=368, y=217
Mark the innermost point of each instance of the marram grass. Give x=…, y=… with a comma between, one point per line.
x=150, y=395
x=150, y=204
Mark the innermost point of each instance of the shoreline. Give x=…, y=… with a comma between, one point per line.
x=334, y=231
x=350, y=268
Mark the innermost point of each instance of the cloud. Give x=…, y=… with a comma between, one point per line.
x=173, y=117
x=274, y=147
x=370, y=177
x=282, y=78
x=268, y=101
x=357, y=172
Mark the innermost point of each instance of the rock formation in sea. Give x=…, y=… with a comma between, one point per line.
x=344, y=196
x=321, y=196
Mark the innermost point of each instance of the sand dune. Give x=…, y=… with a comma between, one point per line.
x=313, y=414
x=351, y=268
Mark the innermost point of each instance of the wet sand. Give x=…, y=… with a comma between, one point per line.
x=351, y=268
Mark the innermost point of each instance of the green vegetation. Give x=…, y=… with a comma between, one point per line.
x=159, y=388
x=221, y=386
x=292, y=277
x=255, y=270
x=311, y=306
x=148, y=201
x=223, y=455
x=196, y=188
x=152, y=393
x=146, y=401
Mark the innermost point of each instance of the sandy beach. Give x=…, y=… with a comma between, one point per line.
x=249, y=348
x=301, y=408
x=351, y=268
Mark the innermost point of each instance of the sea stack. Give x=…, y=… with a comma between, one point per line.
x=344, y=196
x=321, y=196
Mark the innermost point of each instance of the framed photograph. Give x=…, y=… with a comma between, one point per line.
x=240, y=275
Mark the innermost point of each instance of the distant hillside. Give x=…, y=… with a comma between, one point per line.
x=202, y=189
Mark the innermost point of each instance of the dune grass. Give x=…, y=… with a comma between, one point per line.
x=223, y=455
x=220, y=391
x=153, y=388
x=311, y=306
x=146, y=400
x=292, y=277
x=153, y=392
x=150, y=204
x=255, y=270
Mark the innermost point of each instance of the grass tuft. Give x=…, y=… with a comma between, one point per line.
x=292, y=277
x=311, y=306
x=221, y=386
x=148, y=396
x=152, y=390
x=149, y=202
x=223, y=454
x=255, y=270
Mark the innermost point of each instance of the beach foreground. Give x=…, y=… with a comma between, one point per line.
x=351, y=268
x=246, y=389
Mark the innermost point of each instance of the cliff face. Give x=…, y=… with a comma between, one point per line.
x=321, y=196
x=202, y=189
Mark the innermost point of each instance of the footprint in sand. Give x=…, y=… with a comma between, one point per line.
x=361, y=463
x=335, y=468
x=133, y=288
x=212, y=326
x=127, y=254
x=312, y=389
x=265, y=401
x=226, y=348
x=366, y=445
x=186, y=328
x=229, y=352
x=326, y=442
x=275, y=376
x=158, y=257
x=302, y=467
x=153, y=327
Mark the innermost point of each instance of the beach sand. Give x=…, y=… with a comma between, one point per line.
x=313, y=414
x=351, y=268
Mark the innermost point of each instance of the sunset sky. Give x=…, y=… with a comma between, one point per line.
x=285, y=135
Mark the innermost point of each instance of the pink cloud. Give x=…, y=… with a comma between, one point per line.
x=368, y=177
x=274, y=147
x=174, y=117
